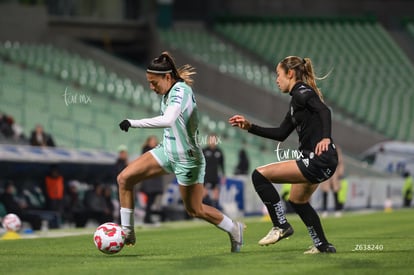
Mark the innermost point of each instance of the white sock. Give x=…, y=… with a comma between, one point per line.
x=226, y=224
x=127, y=217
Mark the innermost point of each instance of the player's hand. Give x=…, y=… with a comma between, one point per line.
x=124, y=125
x=240, y=121
x=322, y=146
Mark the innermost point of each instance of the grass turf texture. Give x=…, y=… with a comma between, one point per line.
x=195, y=247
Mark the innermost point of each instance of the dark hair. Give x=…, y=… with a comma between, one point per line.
x=303, y=70
x=164, y=64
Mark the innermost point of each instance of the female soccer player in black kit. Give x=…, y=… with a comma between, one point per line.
x=311, y=118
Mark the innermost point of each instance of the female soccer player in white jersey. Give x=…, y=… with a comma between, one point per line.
x=179, y=153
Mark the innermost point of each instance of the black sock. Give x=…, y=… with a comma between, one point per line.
x=324, y=201
x=270, y=197
x=311, y=219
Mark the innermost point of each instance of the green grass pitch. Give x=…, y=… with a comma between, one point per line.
x=370, y=243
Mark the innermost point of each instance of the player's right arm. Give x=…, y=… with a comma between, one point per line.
x=164, y=121
x=276, y=133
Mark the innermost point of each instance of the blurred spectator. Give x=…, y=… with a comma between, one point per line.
x=343, y=193
x=109, y=205
x=10, y=129
x=16, y=206
x=333, y=184
x=153, y=188
x=6, y=125
x=39, y=137
x=73, y=205
x=96, y=205
x=122, y=160
x=242, y=167
x=407, y=191
x=34, y=196
x=284, y=194
x=54, y=184
x=214, y=170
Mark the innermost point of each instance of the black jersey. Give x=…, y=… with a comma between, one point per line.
x=214, y=162
x=307, y=114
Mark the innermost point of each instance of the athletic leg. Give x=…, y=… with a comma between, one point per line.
x=262, y=178
x=192, y=196
x=299, y=199
x=271, y=199
x=144, y=167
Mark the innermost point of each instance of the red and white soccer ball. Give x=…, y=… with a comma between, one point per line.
x=12, y=222
x=109, y=238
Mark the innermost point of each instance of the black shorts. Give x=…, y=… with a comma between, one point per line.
x=317, y=169
x=210, y=185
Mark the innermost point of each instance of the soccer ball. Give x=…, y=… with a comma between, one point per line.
x=109, y=238
x=12, y=222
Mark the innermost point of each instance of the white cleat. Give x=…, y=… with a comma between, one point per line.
x=276, y=234
x=327, y=249
x=129, y=235
x=236, y=236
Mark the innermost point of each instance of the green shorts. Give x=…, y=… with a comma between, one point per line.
x=188, y=173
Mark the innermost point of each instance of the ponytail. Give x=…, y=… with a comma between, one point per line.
x=165, y=64
x=310, y=77
x=304, y=71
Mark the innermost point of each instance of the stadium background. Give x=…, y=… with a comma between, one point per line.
x=98, y=50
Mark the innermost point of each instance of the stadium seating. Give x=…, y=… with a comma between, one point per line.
x=371, y=75
x=63, y=102
x=210, y=49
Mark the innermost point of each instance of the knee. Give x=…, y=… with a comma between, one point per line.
x=259, y=181
x=296, y=201
x=298, y=197
x=195, y=213
x=191, y=213
x=122, y=181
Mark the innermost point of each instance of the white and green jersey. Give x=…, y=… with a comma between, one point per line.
x=179, y=118
x=180, y=140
